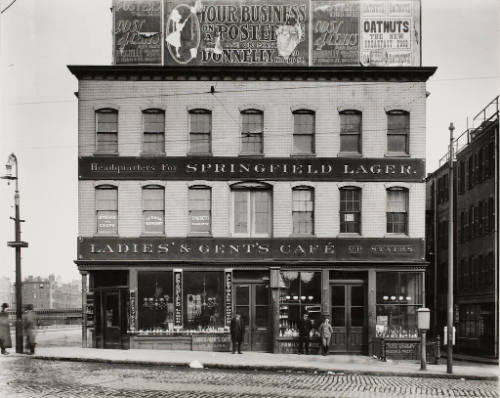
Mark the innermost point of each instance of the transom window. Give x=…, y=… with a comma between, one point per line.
x=350, y=131
x=397, y=210
x=252, y=210
x=303, y=210
x=350, y=210
x=200, y=209
x=201, y=130
x=106, y=197
x=154, y=131
x=398, y=131
x=303, y=131
x=153, y=209
x=252, y=132
x=107, y=130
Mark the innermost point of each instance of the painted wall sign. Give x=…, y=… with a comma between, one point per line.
x=233, y=249
x=228, y=302
x=223, y=168
x=335, y=32
x=235, y=32
x=137, y=31
x=178, y=304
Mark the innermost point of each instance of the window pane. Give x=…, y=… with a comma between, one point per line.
x=338, y=316
x=350, y=122
x=303, y=143
x=262, y=211
x=241, y=211
x=153, y=198
x=242, y=295
x=107, y=121
x=155, y=300
x=200, y=142
x=154, y=143
x=199, y=209
x=153, y=221
x=252, y=143
x=338, y=295
x=107, y=142
x=397, y=200
x=106, y=198
x=399, y=288
x=357, y=316
x=396, y=321
x=349, y=143
x=203, y=299
x=154, y=121
x=303, y=211
x=262, y=316
x=397, y=143
x=303, y=123
x=107, y=221
x=261, y=295
x=201, y=122
x=357, y=296
x=398, y=122
x=252, y=131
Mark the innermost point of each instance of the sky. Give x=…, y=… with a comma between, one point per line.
x=38, y=109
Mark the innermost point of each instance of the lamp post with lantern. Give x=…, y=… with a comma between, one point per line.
x=18, y=244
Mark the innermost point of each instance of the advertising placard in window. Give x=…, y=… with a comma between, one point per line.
x=137, y=31
x=178, y=297
x=107, y=221
x=228, y=281
x=229, y=32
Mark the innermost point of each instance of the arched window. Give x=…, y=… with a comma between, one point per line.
x=154, y=131
x=398, y=132
x=200, y=206
x=153, y=209
x=106, y=130
x=303, y=210
x=350, y=131
x=397, y=210
x=303, y=131
x=252, y=132
x=106, y=197
x=252, y=209
x=200, y=131
x=350, y=210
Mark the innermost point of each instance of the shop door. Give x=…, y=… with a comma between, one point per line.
x=349, y=318
x=252, y=302
x=113, y=318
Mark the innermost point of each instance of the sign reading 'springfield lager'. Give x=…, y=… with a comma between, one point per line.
x=267, y=32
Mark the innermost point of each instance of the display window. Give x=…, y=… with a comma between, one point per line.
x=155, y=305
x=203, y=298
x=300, y=292
x=399, y=295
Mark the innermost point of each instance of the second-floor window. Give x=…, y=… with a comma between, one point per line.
x=154, y=131
x=252, y=210
x=106, y=131
x=200, y=131
x=303, y=210
x=200, y=209
x=153, y=209
x=398, y=132
x=252, y=132
x=303, y=132
x=350, y=210
x=397, y=210
x=350, y=131
x=106, y=197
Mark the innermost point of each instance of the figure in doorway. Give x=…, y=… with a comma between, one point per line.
x=325, y=332
x=237, y=332
x=305, y=326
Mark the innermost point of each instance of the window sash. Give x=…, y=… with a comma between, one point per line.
x=153, y=199
x=200, y=210
x=154, y=143
x=397, y=222
x=106, y=199
x=153, y=221
x=154, y=121
x=397, y=201
x=107, y=221
x=252, y=143
x=398, y=130
x=350, y=210
x=107, y=142
x=199, y=142
x=107, y=121
x=252, y=212
x=252, y=128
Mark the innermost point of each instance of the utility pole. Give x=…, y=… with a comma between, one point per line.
x=18, y=244
x=449, y=357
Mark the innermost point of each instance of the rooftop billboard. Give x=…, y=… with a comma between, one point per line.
x=267, y=32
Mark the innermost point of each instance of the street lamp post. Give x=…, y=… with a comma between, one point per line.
x=449, y=356
x=18, y=244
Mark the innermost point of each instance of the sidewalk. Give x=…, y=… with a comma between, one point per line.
x=346, y=364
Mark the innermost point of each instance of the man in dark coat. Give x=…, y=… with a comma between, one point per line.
x=29, y=324
x=237, y=332
x=304, y=330
x=5, y=340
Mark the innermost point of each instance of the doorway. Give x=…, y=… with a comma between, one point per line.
x=348, y=300
x=111, y=322
x=252, y=302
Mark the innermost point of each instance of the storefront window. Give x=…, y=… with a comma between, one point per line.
x=155, y=305
x=399, y=295
x=300, y=292
x=203, y=300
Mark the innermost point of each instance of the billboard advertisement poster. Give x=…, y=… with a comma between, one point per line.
x=137, y=31
x=236, y=32
x=390, y=33
x=335, y=32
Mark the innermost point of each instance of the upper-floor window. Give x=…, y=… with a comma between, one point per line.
x=461, y=177
x=303, y=131
x=397, y=210
x=398, y=132
x=200, y=131
x=252, y=132
x=350, y=209
x=471, y=172
x=491, y=159
x=200, y=206
x=154, y=131
x=106, y=130
x=252, y=209
x=303, y=210
x=350, y=131
x=106, y=198
x=153, y=209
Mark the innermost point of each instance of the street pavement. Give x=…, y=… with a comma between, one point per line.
x=25, y=377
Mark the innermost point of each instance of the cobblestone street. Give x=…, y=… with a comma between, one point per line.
x=27, y=377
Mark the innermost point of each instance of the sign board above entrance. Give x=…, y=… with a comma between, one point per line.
x=272, y=33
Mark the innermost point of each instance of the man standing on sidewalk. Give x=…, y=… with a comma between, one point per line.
x=29, y=324
x=304, y=330
x=237, y=332
x=325, y=331
x=5, y=340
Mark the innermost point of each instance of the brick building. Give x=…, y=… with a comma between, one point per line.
x=38, y=291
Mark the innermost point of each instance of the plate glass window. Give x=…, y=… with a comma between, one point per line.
x=153, y=202
x=252, y=132
x=107, y=209
x=350, y=210
x=398, y=132
x=200, y=210
x=252, y=212
x=201, y=130
x=303, y=132
x=397, y=210
x=154, y=131
x=350, y=132
x=107, y=130
x=303, y=210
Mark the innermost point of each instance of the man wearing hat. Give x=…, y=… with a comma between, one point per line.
x=5, y=340
x=29, y=323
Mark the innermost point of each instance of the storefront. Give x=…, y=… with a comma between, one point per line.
x=142, y=301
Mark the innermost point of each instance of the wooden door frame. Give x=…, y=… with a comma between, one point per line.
x=102, y=292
